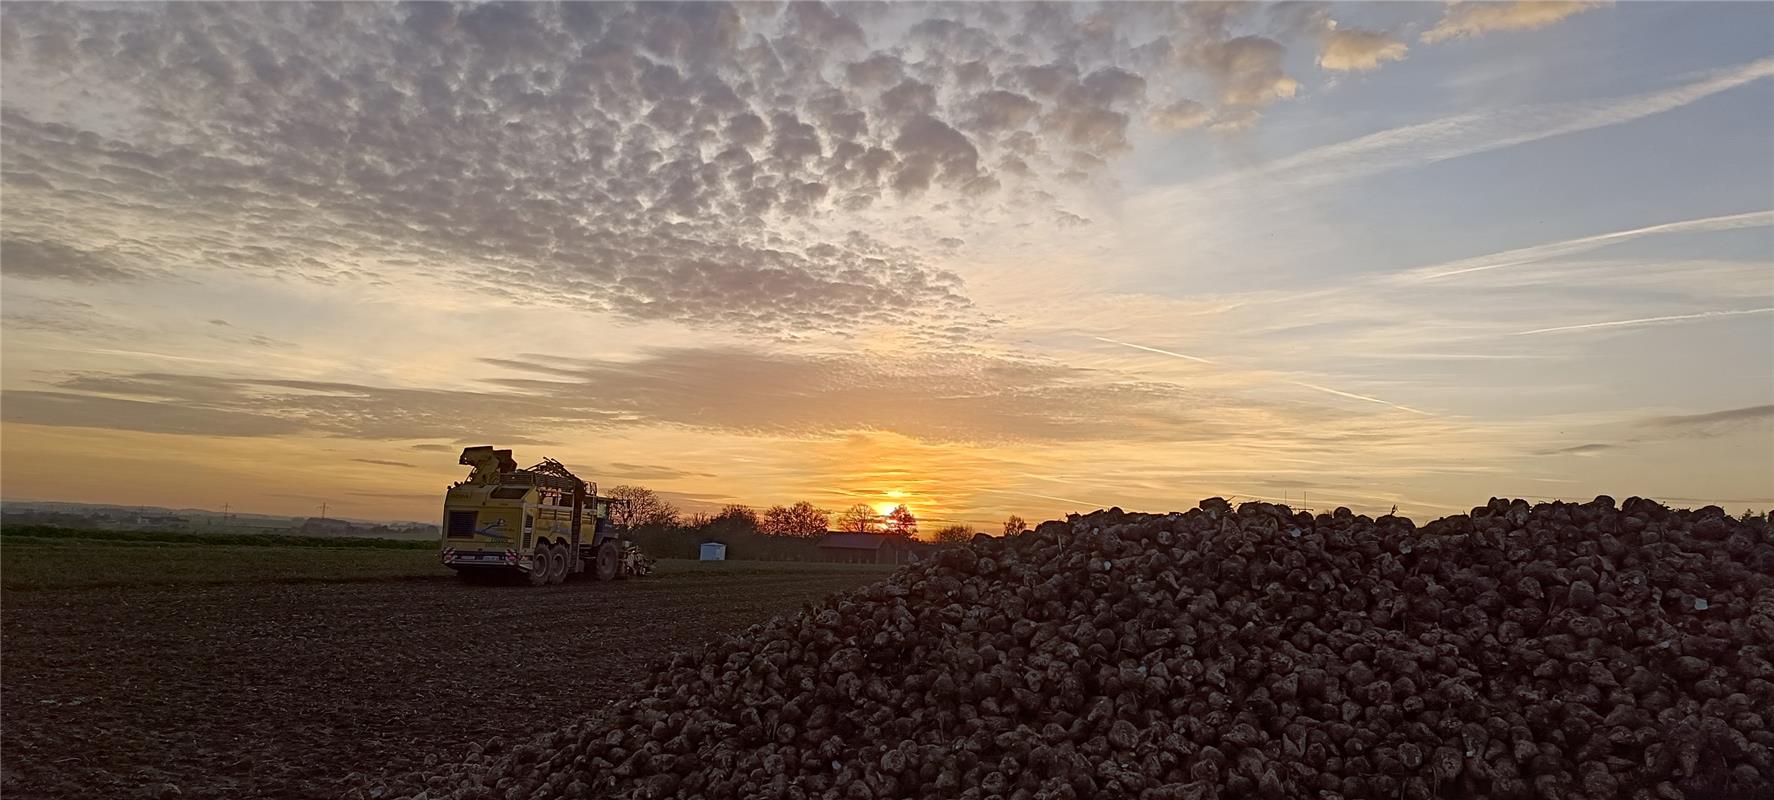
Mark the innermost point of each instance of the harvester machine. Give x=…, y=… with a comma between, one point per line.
x=543, y=523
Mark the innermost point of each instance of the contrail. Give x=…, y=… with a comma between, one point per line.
x=1423, y=143
x=1153, y=350
x=1542, y=252
x=1085, y=503
x=1352, y=395
x=1646, y=321
x=1325, y=389
x=147, y=354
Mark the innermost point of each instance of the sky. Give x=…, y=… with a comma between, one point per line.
x=980, y=259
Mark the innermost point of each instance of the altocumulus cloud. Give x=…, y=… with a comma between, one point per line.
x=658, y=162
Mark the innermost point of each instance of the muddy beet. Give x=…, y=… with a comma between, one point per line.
x=1550, y=651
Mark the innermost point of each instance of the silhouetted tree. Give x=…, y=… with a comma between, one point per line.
x=801, y=519
x=1014, y=525
x=642, y=507
x=954, y=534
x=734, y=518
x=900, y=521
x=859, y=518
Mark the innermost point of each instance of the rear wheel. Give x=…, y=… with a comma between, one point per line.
x=557, y=563
x=541, y=564
x=609, y=563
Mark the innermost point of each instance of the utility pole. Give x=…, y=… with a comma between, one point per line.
x=323, y=510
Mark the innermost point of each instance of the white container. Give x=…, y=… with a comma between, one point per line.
x=714, y=551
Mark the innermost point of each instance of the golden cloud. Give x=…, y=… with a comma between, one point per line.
x=1359, y=50
x=1468, y=19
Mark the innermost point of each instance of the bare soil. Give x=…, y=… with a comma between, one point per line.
x=281, y=690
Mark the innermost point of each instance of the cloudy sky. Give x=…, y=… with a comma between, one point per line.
x=978, y=258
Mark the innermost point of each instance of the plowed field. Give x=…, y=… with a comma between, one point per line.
x=207, y=686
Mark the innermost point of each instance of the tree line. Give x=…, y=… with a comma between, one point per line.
x=643, y=509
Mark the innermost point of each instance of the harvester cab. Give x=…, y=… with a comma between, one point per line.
x=488, y=464
x=544, y=523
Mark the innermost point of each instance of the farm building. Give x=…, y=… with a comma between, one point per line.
x=870, y=548
x=714, y=551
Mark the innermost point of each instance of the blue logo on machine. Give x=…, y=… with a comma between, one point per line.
x=490, y=530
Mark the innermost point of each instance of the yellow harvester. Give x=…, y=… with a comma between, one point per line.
x=543, y=522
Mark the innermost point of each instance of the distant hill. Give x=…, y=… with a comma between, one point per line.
x=101, y=516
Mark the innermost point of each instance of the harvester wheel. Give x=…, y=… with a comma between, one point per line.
x=541, y=564
x=621, y=562
x=557, y=563
x=609, y=563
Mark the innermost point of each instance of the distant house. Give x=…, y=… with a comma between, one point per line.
x=871, y=548
x=714, y=551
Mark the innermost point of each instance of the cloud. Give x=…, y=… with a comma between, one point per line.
x=930, y=149
x=21, y=311
x=1715, y=423
x=649, y=472
x=1359, y=50
x=21, y=258
x=383, y=463
x=1729, y=422
x=951, y=398
x=68, y=409
x=1578, y=450
x=1113, y=86
x=1180, y=116
x=1248, y=70
x=878, y=70
x=998, y=111
x=824, y=26
x=1468, y=19
x=685, y=163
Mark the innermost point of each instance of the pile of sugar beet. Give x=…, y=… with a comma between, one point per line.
x=1550, y=651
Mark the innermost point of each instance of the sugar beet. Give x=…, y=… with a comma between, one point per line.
x=1521, y=651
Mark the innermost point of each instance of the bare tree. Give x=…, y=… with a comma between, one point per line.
x=802, y=519
x=640, y=507
x=954, y=534
x=900, y=521
x=734, y=518
x=1014, y=525
x=859, y=518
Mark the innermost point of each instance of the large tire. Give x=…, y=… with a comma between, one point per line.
x=541, y=564
x=608, y=566
x=557, y=563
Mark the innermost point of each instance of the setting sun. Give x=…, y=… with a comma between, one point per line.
x=885, y=508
